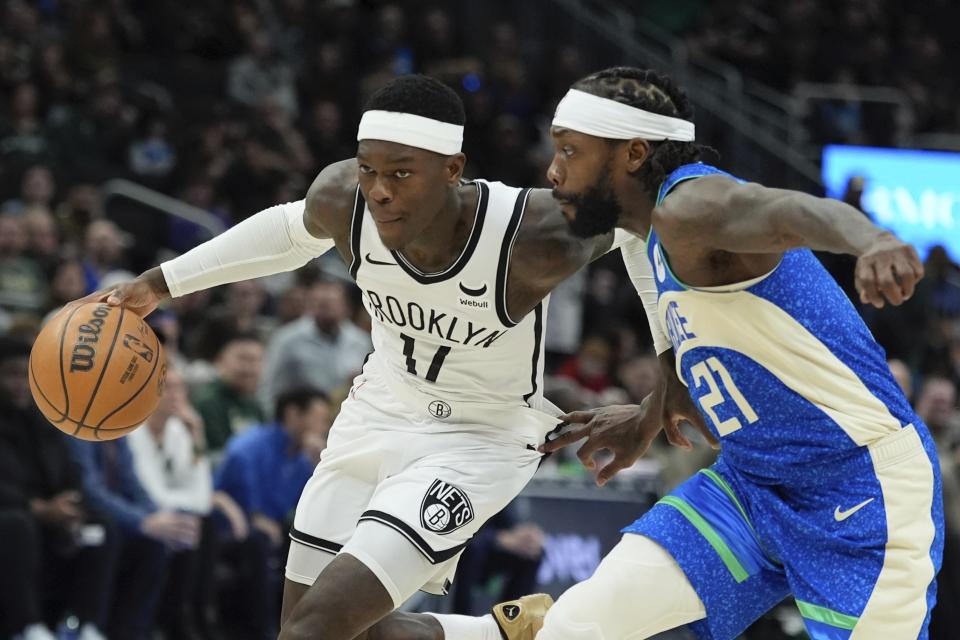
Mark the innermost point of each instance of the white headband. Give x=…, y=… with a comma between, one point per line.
x=414, y=131
x=604, y=118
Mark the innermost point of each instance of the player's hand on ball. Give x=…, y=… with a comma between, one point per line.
x=137, y=295
x=624, y=430
x=888, y=271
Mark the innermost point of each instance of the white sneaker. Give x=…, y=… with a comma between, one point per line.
x=89, y=631
x=36, y=632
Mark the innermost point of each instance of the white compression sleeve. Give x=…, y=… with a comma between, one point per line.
x=634, y=251
x=268, y=242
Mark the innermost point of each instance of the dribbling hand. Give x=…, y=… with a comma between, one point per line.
x=141, y=295
x=137, y=296
x=888, y=271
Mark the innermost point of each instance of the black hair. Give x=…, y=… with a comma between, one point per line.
x=655, y=92
x=301, y=398
x=12, y=347
x=230, y=337
x=421, y=96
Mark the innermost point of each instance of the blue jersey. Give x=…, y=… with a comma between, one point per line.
x=785, y=371
x=827, y=486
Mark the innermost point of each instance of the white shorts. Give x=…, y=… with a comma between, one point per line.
x=404, y=492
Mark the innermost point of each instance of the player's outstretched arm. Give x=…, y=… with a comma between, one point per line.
x=719, y=214
x=277, y=239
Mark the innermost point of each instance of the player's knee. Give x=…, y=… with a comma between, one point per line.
x=574, y=617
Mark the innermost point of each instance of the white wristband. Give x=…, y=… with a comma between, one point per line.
x=268, y=242
x=634, y=252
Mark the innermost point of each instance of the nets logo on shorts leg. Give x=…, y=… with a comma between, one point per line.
x=445, y=508
x=439, y=409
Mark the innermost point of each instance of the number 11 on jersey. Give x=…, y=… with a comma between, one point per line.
x=435, y=364
x=703, y=372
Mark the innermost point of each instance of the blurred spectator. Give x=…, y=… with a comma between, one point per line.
x=291, y=304
x=152, y=155
x=944, y=277
x=43, y=238
x=104, y=248
x=57, y=548
x=292, y=142
x=325, y=133
x=23, y=137
x=254, y=175
x=68, y=284
x=565, y=320
x=259, y=74
x=23, y=287
x=264, y=470
x=83, y=204
x=147, y=533
x=903, y=376
x=937, y=406
x=388, y=48
x=331, y=74
x=323, y=349
x=228, y=404
x=170, y=459
x=590, y=367
x=170, y=453
x=639, y=376
x=37, y=188
x=505, y=548
x=240, y=312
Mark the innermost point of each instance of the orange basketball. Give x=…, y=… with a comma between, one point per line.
x=96, y=371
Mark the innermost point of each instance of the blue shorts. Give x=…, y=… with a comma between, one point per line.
x=859, y=552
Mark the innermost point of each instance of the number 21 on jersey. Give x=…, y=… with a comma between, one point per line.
x=703, y=373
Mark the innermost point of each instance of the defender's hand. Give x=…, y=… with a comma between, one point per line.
x=888, y=271
x=677, y=407
x=625, y=430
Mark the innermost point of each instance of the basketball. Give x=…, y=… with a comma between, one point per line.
x=96, y=371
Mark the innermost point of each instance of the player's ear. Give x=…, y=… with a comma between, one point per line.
x=454, y=167
x=638, y=150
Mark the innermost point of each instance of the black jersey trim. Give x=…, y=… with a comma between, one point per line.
x=356, y=224
x=315, y=542
x=408, y=532
x=483, y=198
x=506, y=249
x=537, y=341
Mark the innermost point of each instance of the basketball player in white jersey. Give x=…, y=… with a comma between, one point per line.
x=441, y=429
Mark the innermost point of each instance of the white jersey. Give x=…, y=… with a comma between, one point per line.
x=447, y=337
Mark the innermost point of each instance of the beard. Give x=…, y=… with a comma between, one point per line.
x=597, y=209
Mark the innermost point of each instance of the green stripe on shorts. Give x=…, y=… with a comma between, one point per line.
x=710, y=535
x=720, y=482
x=826, y=616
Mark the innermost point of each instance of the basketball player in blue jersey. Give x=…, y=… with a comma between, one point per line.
x=827, y=486
x=441, y=429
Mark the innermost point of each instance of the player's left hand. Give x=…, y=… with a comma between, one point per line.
x=624, y=430
x=888, y=271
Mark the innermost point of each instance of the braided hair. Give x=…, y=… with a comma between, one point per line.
x=651, y=91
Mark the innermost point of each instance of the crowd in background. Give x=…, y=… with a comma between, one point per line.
x=233, y=106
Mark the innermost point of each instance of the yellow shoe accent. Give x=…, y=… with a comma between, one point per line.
x=522, y=619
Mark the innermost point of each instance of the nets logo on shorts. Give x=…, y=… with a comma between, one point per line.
x=445, y=508
x=439, y=409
